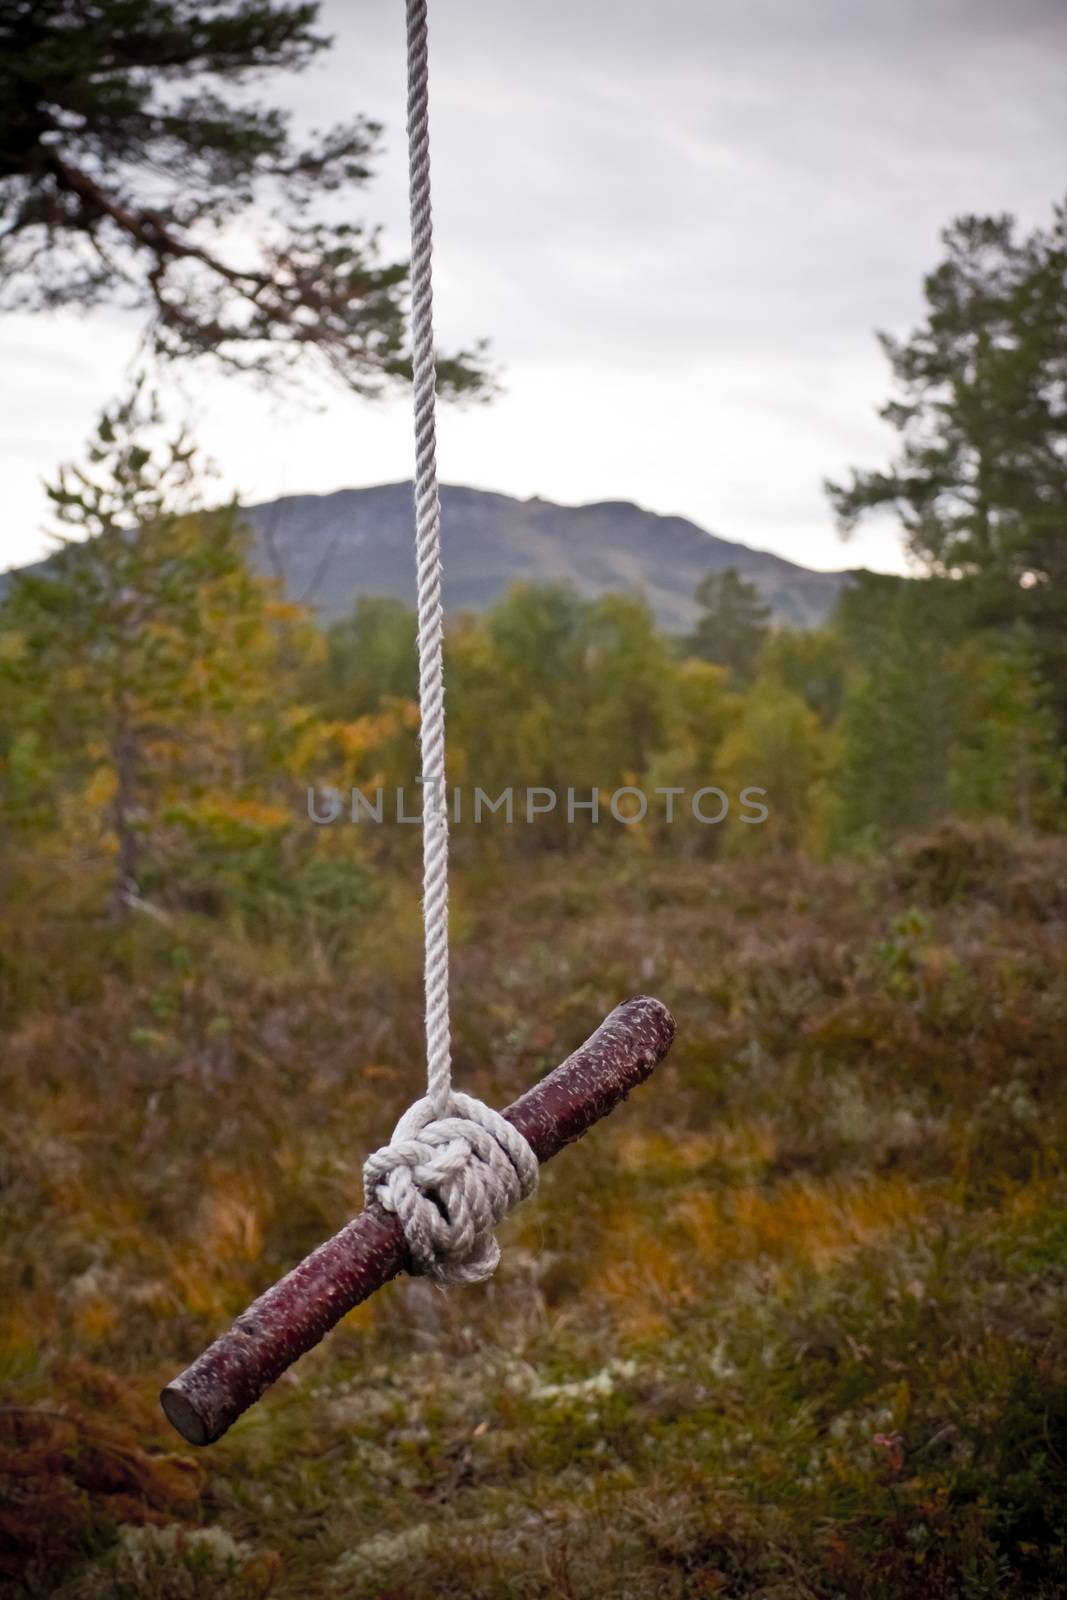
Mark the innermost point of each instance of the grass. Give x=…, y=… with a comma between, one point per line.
x=792, y=1324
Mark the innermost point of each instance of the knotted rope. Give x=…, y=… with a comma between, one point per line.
x=454, y=1167
x=450, y=1180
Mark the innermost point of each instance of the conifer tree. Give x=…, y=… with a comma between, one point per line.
x=980, y=479
x=130, y=155
x=144, y=651
x=938, y=717
x=733, y=624
x=890, y=744
x=1006, y=760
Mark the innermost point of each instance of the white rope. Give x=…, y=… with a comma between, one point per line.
x=450, y=1180
x=428, y=576
x=454, y=1166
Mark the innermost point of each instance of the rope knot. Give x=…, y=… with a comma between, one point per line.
x=450, y=1180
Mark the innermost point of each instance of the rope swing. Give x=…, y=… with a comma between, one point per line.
x=454, y=1167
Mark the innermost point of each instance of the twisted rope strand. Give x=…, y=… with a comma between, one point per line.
x=454, y=1167
x=428, y=578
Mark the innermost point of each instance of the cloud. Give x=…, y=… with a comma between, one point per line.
x=679, y=223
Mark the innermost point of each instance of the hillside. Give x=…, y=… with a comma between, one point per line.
x=331, y=548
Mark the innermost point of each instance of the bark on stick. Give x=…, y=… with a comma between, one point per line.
x=370, y=1250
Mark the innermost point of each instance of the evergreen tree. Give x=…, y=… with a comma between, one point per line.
x=144, y=650
x=938, y=718
x=1006, y=760
x=130, y=149
x=980, y=482
x=890, y=748
x=733, y=625
x=888, y=770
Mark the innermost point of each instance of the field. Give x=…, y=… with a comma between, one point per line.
x=790, y=1324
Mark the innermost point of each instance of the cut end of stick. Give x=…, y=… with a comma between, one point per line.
x=183, y=1416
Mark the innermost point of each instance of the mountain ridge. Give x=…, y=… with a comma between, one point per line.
x=330, y=548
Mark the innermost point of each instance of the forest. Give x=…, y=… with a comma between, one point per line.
x=184, y=734
x=792, y=1325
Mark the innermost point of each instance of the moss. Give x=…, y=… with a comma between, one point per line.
x=790, y=1325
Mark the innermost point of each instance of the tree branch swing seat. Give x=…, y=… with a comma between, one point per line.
x=454, y=1167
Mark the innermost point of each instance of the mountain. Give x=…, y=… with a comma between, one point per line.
x=329, y=548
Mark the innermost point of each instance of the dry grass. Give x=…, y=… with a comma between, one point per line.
x=792, y=1324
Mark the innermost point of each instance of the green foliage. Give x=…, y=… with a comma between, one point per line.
x=129, y=147
x=145, y=650
x=167, y=714
x=370, y=657
x=812, y=663
x=267, y=873
x=550, y=690
x=937, y=717
x=980, y=483
x=889, y=764
x=628, y=688
x=1007, y=760
x=981, y=415
x=777, y=748
x=733, y=625
x=901, y=711
x=703, y=710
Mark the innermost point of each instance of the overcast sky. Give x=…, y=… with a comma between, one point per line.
x=678, y=221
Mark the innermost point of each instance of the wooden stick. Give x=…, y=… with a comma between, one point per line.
x=371, y=1249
